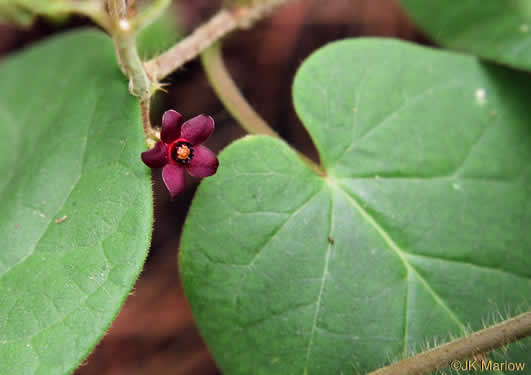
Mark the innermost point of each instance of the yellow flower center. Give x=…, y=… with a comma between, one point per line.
x=183, y=152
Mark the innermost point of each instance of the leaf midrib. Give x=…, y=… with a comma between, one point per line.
x=321, y=287
x=411, y=270
x=395, y=248
x=450, y=178
x=403, y=256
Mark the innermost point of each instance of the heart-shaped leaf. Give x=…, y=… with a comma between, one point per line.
x=420, y=229
x=492, y=29
x=75, y=207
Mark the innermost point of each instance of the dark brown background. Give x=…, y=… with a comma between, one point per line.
x=155, y=332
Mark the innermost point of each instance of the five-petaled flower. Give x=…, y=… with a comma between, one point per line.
x=181, y=149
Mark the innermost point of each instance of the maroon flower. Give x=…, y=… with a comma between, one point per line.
x=181, y=148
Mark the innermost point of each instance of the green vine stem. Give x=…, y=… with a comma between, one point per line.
x=474, y=345
x=235, y=103
x=224, y=22
x=124, y=21
x=124, y=37
x=230, y=95
x=123, y=28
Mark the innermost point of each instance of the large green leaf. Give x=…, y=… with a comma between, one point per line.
x=499, y=30
x=420, y=229
x=70, y=138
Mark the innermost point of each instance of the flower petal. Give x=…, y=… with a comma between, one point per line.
x=173, y=176
x=171, y=126
x=197, y=129
x=157, y=157
x=204, y=163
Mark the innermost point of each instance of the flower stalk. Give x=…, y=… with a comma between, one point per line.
x=124, y=21
x=152, y=136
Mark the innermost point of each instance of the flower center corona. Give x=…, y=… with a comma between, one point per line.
x=182, y=152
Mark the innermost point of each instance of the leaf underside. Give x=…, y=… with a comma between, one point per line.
x=75, y=211
x=419, y=231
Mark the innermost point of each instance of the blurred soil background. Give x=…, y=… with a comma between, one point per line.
x=155, y=331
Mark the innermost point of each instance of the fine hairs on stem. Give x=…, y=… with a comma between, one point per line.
x=124, y=37
x=476, y=344
x=221, y=24
x=123, y=22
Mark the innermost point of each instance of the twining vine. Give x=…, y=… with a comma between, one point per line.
x=123, y=20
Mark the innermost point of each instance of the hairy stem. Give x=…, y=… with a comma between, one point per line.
x=124, y=36
x=235, y=103
x=125, y=44
x=131, y=65
x=476, y=344
x=152, y=136
x=225, y=21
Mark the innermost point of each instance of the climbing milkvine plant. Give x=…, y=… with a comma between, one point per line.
x=414, y=227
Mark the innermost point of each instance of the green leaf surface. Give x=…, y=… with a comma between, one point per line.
x=420, y=230
x=498, y=30
x=75, y=206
